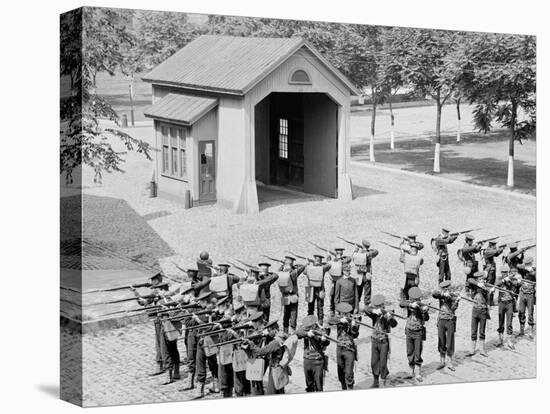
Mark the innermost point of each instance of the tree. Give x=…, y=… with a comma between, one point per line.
x=392, y=71
x=500, y=78
x=426, y=57
x=92, y=41
x=161, y=34
x=371, y=58
x=357, y=51
x=457, y=98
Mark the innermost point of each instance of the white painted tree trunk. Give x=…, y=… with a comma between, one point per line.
x=458, y=131
x=510, y=171
x=371, y=148
x=392, y=138
x=436, y=157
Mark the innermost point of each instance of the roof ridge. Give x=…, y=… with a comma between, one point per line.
x=231, y=64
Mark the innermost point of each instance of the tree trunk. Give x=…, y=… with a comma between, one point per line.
x=372, y=129
x=437, y=148
x=392, y=124
x=510, y=182
x=458, y=120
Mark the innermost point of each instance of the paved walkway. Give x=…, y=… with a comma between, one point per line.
x=116, y=361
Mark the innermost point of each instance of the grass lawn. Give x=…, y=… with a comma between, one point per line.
x=479, y=159
x=116, y=91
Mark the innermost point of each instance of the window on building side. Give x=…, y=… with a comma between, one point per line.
x=283, y=138
x=183, y=159
x=165, y=153
x=300, y=76
x=173, y=151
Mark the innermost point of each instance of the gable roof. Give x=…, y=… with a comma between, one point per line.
x=183, y=109
x=232, y=65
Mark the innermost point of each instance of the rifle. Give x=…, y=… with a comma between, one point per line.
x=207, y=324
x=519, y=241
x=390, y=245
x=349, y=242
x=138, y=285
x=217, y=331
x=238, y=340
x=467, y=299
x=179, y=268
x=491, y=238
x=501, y=289
x=394, y=314
x=242, y=269
x=366, y=325
x=180, y=308
x=322, y=248
x=246, y=264
x=234, y=328
x=421, y=304
x=272, y=259
x=458, y=233
x=299, y=256
x=190, y=315
x=336, y=341
x=393, y=235
x=524, y=249
x=142, y=308
x=214, y=332
x=151, y=296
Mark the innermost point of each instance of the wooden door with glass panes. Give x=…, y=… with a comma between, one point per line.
x=289, y=162
x=296, y=153
x=207, y=171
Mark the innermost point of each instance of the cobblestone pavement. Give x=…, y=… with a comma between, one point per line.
x=115, y=362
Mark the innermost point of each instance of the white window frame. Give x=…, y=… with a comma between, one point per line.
x=175, y=144
x=283, y=138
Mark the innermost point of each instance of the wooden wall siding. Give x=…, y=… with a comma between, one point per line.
x=344, y=152
x=205, y=129
x=320, y=145
x=236, y=122
x=262, y=140
x=322, y=80
x=231, y=158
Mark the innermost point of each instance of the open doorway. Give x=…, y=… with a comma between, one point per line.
x=296, y=142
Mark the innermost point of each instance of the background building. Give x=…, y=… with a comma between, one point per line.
x=234, y=112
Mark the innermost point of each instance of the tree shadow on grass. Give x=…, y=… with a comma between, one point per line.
x=417, y=156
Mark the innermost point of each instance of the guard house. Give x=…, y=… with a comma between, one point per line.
x=233, y=112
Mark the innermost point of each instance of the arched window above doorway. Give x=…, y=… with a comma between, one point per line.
x=300, y=77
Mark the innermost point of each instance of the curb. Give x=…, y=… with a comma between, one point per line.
x=444, y=180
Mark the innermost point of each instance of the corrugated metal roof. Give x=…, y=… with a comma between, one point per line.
x=229, y=64
x=184, y=109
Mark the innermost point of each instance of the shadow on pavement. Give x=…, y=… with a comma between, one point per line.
x=271, y=196
x=359, y=191
x=111, y=225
